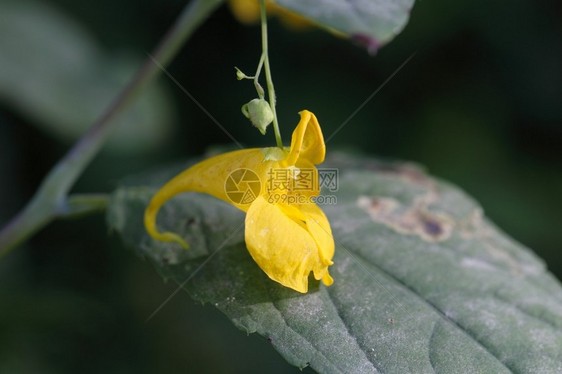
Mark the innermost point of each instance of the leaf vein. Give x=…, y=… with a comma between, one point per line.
x=347, y=327
x=278, y=310
x=454, y=323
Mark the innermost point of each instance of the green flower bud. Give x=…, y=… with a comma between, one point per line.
x=240, y=75
x=259, y=113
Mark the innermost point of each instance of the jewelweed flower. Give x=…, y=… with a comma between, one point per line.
x=287, y=234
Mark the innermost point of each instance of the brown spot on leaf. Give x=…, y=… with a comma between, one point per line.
x=190, y=222
x=431, y=226
x=434, y=226
x=473, y=226
x=407, y=170
x=416, y=220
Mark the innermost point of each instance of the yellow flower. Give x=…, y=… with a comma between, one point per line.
x=248, y=12
x=287, y=234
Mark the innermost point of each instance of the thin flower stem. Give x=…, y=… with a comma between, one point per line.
x=84, y=204
x=270, y=88
x=259, y=89
x=51, y=197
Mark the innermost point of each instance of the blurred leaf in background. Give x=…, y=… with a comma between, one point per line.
x=55, y=73
x=369, y=23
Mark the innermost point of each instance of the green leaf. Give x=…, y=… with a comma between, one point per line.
x=370, y=22
x=423, y=281
x=54, y=73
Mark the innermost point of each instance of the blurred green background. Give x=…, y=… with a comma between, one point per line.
x=480, y=105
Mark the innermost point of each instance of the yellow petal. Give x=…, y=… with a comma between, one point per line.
x=319, y=228
x=246, y=11
x=312, y=219
x=282, y=246
x=307, y=142
x=210, y=176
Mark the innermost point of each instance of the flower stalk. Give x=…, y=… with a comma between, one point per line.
x=269, y=80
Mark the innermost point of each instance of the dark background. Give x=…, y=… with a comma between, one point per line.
x=480, y=105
